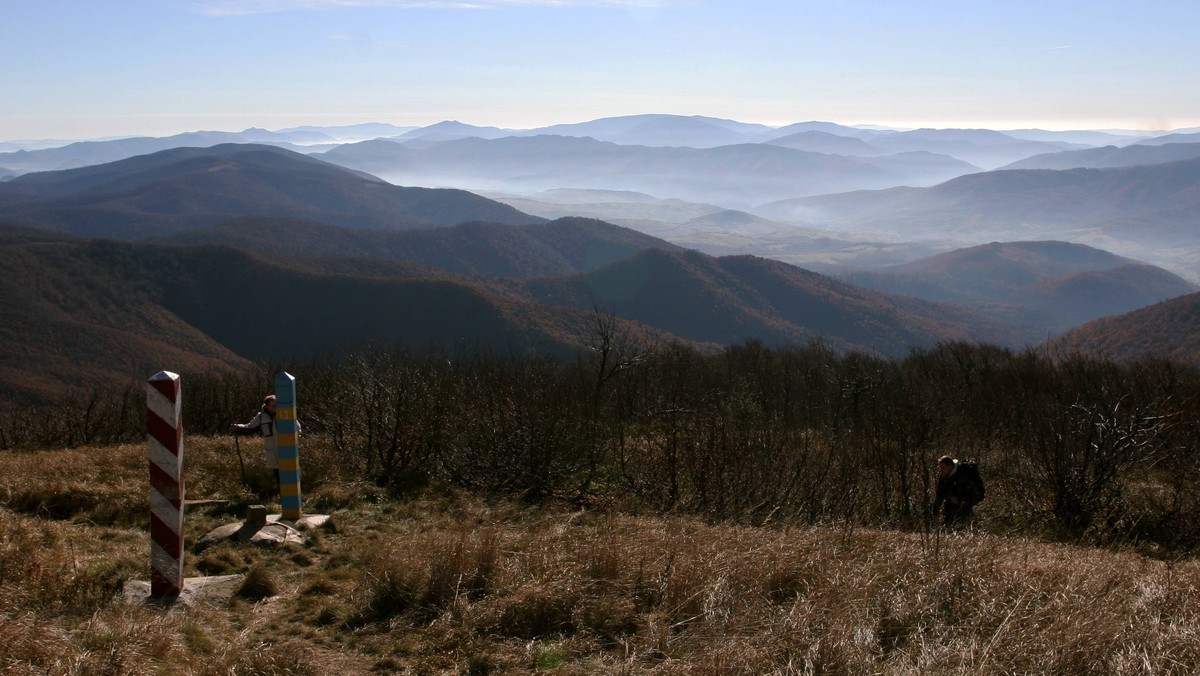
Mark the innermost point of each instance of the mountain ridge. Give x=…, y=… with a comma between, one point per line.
x=110, y=311
x=733, y=298
x=731, y=175
x=558, y=247
x=1045, y=287
x=184, y=188
x=1145, y=212
x=1166, y=330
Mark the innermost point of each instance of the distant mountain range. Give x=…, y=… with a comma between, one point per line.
x=89, y=153
x=1147, y=212
x=239, y=243
x=981, y=147
x=733, y=175
x=1110, y=157
x=721, y=232
x=949, y=152
x=688, y=165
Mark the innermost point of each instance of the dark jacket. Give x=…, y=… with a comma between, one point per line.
x=962, y=489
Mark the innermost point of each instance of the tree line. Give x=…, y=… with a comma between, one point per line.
x=1071, y=446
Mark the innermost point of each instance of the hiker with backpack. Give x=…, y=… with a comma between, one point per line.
x=263, y=425
x=959, y=489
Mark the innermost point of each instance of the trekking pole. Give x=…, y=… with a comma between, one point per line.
x=925, y=518
x=237, y=444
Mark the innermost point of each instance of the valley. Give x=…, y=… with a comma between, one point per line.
x=700, y=230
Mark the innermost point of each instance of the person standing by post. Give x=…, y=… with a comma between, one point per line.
x=263, y=425
x=959, y=489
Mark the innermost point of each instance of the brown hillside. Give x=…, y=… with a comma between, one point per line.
x=1042, y=288
x=737, y=298
x=67, y=322
x=561, y=247
x=104, y=313
x=1169, y=329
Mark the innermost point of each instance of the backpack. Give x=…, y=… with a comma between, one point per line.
x=970, y=470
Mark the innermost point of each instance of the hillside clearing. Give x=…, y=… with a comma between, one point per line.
x=452, y=583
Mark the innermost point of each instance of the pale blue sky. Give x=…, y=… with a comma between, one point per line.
x=90, y=68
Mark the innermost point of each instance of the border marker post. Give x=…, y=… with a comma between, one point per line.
x=164, y=432
x=288, y=451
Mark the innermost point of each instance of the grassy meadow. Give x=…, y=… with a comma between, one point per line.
x=444, y=581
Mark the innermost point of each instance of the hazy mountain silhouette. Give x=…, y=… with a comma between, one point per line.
x=688, y=132
x=183, y=188
x=859, y=158
x=88, y=153
x=1042, y=288
x=1170, y=329
x=1177, y=137
x=733, y=220
x=451, y=130
x=696, y=131
x=824, y=142
x=1084, y=137
x=981, y=147
x=818, y=126
x=1148, y=212
x=353, y=132
x=730, y=175
x=1111, y=156
x=614, y=206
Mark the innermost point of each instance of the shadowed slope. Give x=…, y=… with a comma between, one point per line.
x=564, y=246
x=1042, y=287
x=185, y=188
x=1170, y=329
x=736, y=298
x=69, y=320
x=91, y=313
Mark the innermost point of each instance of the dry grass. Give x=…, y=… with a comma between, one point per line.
x=453, y=584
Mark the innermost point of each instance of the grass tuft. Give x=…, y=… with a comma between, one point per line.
x=258, y=584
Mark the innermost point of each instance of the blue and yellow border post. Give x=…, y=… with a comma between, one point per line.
x=287, y=430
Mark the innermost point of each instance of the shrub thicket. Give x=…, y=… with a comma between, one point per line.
x=1071, y=446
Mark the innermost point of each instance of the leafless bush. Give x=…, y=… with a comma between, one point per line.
x=1071, y=447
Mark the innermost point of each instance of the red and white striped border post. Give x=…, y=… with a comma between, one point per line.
x=164, y=432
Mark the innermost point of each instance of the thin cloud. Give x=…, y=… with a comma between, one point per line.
x=241, y=7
